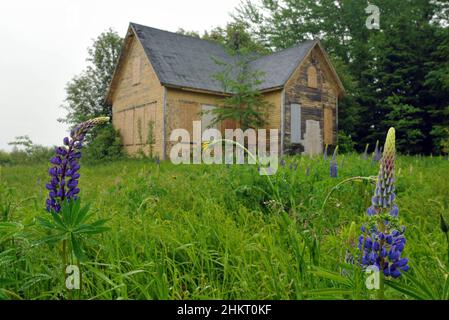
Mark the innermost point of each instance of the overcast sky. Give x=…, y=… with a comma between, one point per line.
x=44, y=44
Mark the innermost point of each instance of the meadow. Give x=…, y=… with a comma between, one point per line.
x=225, y=232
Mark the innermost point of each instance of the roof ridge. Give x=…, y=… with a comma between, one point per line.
x=177, y=34
x=288, y=49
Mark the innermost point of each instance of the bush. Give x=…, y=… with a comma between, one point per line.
x=105, y=144
x=32, y=155
x=345, y=143
x=5, y=158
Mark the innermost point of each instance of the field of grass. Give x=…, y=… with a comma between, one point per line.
x=224, y=232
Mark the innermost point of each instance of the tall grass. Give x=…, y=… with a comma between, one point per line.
x=219, y=232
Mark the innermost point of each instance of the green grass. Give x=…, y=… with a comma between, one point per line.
x=218, y=232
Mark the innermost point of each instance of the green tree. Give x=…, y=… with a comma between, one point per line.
x=437, y=80
x=235, y=36
x=246, y=104
x=399, y=67
x=85, y=93
x=106, y=146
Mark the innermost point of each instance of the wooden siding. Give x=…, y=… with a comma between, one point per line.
x=184, y=107
x=137, y=101
x=313, y=101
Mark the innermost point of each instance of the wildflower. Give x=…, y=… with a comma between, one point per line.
x=293, y=166
x=334, y=165
x=382, y=241
x=377, y=154
x=64, y=174
x=282, y=162
x=365, y=153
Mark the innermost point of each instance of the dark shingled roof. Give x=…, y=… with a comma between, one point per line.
x=190, y=62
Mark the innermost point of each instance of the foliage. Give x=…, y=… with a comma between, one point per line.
x=246, y=105
x=25, y=152
x=400, y=68
x=72, y=226
x=106, y=146
x=345, y=142
x=235, y=36
x=215, y=232
x=85, y=93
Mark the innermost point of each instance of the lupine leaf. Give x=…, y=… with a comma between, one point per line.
x=407, y=290
x=82, y=214
x=76, y=246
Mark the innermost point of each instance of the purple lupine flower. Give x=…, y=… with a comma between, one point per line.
x=334, y=165
x=293, y=166
x=377, y=154
x=384, y=251
x=325, y=152
x=382, y=241
x=365, y=153
x=282, y=162
x=64, y=174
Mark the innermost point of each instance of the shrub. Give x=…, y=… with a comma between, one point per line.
x=107, y=145
x=345, y=142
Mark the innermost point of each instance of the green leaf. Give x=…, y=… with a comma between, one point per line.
x=77, y=248
x=407, y=290
x=333, y=276
x=58, y=221
x=81, y=215
x=53, y=238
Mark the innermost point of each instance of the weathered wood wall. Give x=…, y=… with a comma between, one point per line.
x=319, y=104
x=137, y=101
x=184, y=107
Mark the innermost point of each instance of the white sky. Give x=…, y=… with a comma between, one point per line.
x=43, y=44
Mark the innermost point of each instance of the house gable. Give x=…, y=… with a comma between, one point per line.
x=136, y=96
x=316, y=98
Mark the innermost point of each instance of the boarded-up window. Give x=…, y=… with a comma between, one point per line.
x=295, y=123
x=328, y=126
x=312, y=79
x=136, y=71
x=207, y=118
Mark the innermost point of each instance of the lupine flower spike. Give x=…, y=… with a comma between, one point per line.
x=64, y=172
x=365, y=153
x=382, y=241
x=334, y=165
x=282, y=162
x=377, y=154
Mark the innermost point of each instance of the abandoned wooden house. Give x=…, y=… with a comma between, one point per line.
x=165, y=80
